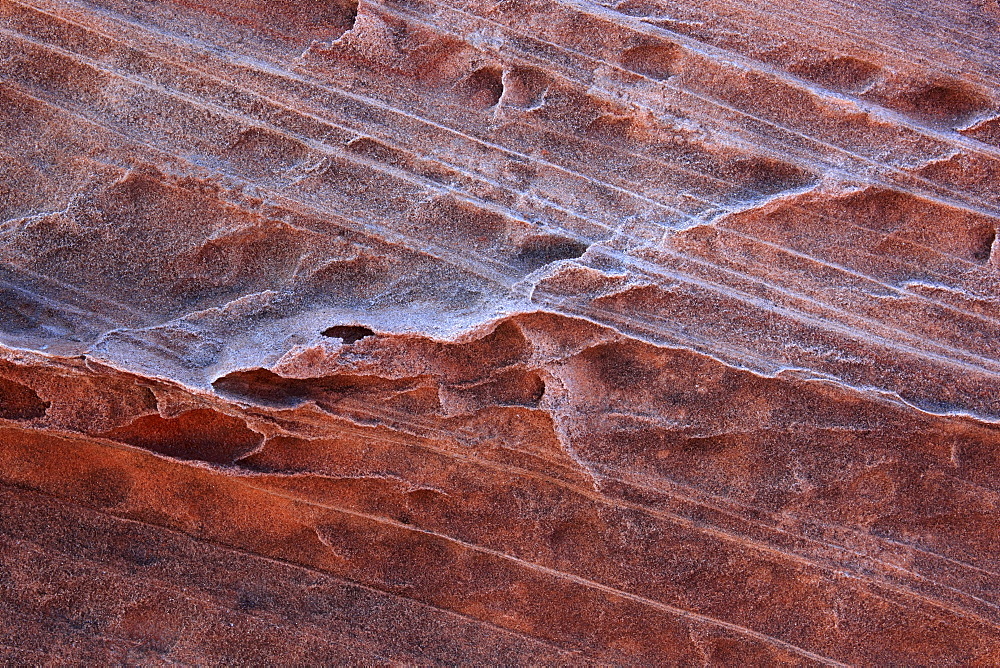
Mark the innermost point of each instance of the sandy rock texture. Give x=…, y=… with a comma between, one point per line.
x=517, y=332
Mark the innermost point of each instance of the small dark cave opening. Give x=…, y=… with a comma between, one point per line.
x=348, y=333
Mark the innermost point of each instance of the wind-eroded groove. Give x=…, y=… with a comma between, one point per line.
x=469, y=263
x=494, y=183
x=110, y=573
x=365, y=229
x=284, y=563
x=643, y=26
x=894, y=577
x=618, y=474
x=717, y=505
x=982, y=57
x=368, y=102
x=701, y=101
x=569, y=577
x=178, y=39
x=717, y=531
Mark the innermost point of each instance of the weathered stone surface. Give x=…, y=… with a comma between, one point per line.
x=536, y=332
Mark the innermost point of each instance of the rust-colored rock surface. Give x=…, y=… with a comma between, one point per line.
x=651, y=332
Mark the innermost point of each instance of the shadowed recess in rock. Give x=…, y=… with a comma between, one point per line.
x=20, y=402
x=200, y=435
x=348, y=333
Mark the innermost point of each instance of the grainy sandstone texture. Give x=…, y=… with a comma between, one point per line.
x=651, y=332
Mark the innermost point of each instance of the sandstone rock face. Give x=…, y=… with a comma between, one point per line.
x=651, y=332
